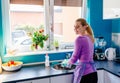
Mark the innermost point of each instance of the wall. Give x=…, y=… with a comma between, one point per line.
x=38, y=57
x=95, y=18
x=116, y=26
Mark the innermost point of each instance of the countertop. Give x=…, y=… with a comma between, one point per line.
x=40, y=71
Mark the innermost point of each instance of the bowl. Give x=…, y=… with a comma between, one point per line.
x=12, y=65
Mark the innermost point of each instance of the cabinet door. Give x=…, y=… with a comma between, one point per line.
x=44, y=80
x=62, y=79
x=111, y=9
x=30, y=81
x=110, y=78
x=100, y=76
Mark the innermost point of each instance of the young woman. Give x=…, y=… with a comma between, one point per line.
x=85, y=71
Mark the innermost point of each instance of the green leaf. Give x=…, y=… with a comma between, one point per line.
x=41, y=44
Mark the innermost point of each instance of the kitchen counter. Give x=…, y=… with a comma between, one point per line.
x=40, y=71
x=110, y=66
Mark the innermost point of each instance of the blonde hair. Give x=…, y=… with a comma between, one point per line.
x=88, y=29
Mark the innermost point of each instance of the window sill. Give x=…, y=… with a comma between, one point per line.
x=38, y=53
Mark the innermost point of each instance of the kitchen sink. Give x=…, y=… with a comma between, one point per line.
x=59, y=67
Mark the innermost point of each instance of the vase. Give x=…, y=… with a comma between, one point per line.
x=39, y=49
x=57, y=48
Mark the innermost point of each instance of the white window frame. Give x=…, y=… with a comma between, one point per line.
x=6, y=21
x=49, y=21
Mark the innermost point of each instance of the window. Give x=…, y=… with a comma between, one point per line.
x=23, y=17
x=64, y=22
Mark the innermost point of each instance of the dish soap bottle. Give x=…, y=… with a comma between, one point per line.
x=0, y=65
x=47, y=62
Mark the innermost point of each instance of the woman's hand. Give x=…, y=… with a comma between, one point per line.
x=69, y=64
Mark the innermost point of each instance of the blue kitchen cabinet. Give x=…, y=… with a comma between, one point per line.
x=62, y=79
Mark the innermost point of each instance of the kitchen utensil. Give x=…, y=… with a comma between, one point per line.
x=110, y=53
x=100, y=42
x=99, y=50
x=100, y=56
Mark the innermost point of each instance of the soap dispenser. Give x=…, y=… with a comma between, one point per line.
x=47, y=62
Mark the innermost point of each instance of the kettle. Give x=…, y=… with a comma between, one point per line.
x=110, y=53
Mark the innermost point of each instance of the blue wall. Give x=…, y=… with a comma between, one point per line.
x=100, y=27
x=116, y=26
x=38, y=57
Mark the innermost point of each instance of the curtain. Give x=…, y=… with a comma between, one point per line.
x=74, y=3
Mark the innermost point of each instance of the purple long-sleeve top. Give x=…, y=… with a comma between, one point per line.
x=83, y=52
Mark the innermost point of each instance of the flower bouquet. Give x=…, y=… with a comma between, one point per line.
x=38, y=39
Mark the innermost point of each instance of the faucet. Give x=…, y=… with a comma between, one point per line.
x=68, y=55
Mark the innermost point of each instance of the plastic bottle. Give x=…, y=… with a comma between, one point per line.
x=47, y=62
x=0, y=65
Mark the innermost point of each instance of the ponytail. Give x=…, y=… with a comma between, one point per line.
x=90, y=33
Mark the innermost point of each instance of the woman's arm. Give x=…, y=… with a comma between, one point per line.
x=77, y=50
